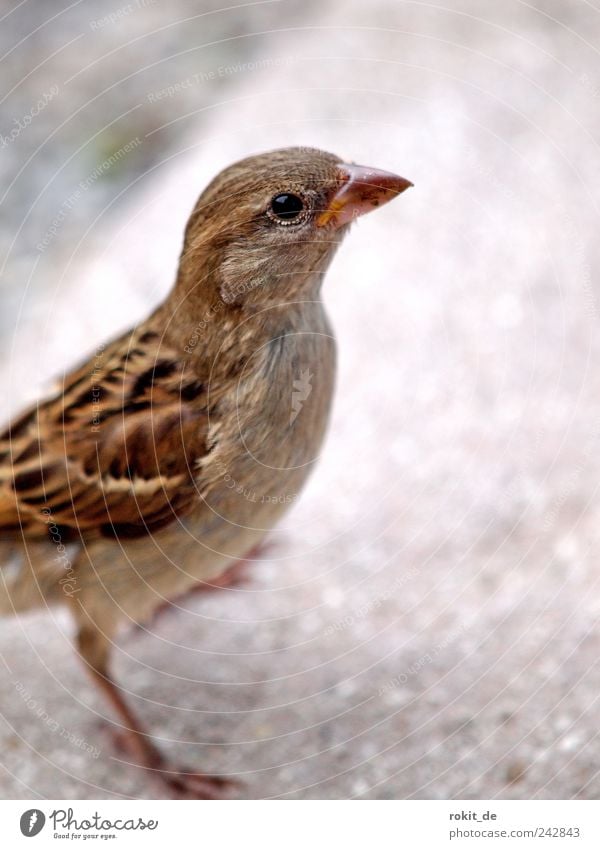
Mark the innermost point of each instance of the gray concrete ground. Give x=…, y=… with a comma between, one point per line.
x=425, y=624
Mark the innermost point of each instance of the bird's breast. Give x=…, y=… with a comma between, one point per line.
x=271, y=425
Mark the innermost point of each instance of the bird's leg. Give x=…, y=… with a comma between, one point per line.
x=235, y=574
x=231, y=578
x=180, y=783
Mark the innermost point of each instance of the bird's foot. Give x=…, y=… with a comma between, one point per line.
x=181, y=783
x=177, y=782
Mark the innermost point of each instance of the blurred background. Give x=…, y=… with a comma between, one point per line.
x=425, y=623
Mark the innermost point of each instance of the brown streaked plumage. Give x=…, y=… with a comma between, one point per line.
x=167, y=456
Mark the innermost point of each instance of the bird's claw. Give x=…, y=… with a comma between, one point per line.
x=181, y=784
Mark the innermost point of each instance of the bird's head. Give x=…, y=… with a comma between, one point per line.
x=265, y=229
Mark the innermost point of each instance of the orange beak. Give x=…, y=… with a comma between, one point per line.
x=362, y=190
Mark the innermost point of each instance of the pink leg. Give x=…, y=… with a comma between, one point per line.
x=177, y=782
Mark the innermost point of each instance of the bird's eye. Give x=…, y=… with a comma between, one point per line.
x=287, y=208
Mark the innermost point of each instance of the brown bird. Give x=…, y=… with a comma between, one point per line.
x=167, y=456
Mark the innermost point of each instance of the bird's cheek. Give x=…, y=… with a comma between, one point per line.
x=243, y=270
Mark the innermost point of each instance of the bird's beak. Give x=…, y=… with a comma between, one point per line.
x=361, y=190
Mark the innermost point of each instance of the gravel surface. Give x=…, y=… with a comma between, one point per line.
x=425, y=621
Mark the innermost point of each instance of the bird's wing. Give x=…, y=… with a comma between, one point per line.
x=114, y=453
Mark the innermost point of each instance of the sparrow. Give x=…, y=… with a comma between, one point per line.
x=167, y=456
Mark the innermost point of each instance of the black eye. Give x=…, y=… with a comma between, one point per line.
x=287, y=207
